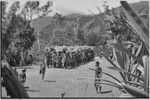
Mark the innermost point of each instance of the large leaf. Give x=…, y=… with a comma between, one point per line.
x=115, y=67
x=129, y=42
x=136, y=22
x=114, y=83
x=111, y=85
x=139, y=49
x=146, y=73
x=124, y=71
x=120, y=59
x=121, y=48
x=128, y=66
x=136, y=84
x=135, y=92
x=107, y=75
x=118, y=85
x=134, y=69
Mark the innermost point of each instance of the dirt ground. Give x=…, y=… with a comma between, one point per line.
x=75, y=83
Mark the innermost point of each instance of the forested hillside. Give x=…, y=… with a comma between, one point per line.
x=77, y=29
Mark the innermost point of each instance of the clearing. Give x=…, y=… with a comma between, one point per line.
x=75, y=83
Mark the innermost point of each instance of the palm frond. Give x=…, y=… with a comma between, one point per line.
x=124, y=71
x=136, y=22
x=146, y=73
x=107, y=75
x=115, y=66
x=135, y=92
x=121, y=48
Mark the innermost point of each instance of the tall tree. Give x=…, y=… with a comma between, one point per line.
x=17, y=36
x=29, y=9
x=32, y=9
x=4, y=35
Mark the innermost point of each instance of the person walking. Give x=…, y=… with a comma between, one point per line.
x=42, y=71
x=23, y=77
x=98, y=76
x=64, y=60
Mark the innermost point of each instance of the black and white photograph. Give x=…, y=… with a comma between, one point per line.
x=74, y=49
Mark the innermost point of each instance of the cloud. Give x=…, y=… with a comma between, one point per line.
x=65, y=11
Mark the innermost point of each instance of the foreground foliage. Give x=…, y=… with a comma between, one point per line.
x=132, y=54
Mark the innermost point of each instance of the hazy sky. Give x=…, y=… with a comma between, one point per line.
x=77, y=6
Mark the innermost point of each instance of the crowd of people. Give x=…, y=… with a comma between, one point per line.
x=68, y=58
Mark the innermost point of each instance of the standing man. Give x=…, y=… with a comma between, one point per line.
x=59, y=59
x=42, y=70
x=98, y=76
x=23, y=77
x=64, y=59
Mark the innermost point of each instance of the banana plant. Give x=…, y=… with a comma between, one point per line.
x=142, y=30
x=132, y=62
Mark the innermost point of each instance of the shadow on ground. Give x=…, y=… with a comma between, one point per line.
x=27, y=89
x=33, y=90
x=50, y=81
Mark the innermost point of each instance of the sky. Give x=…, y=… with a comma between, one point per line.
x=66, y=7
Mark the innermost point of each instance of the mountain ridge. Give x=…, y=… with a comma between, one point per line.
x=74, y=24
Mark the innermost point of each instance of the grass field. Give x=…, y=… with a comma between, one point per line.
x=75, y=83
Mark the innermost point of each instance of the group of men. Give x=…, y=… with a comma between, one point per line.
x=68, y=58
x=64, y=59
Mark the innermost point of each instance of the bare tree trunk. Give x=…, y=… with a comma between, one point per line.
x=22, y=63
